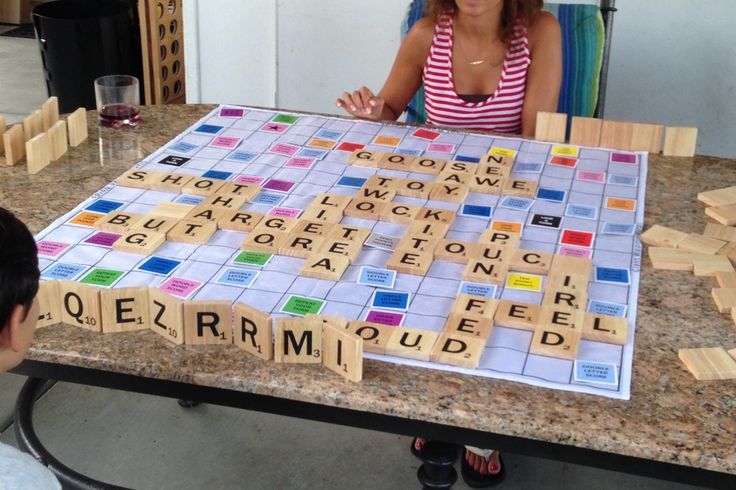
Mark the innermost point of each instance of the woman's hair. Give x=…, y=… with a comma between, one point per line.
x=18, y=266
x=513, y=12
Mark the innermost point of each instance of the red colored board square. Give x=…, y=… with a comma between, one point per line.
x=564, y=161
x=426, y=134
x=347, y=146
x=577, y=238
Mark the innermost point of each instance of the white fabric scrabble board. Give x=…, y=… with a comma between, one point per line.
x=589, y=202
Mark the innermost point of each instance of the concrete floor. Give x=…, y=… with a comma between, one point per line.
x=150, y=442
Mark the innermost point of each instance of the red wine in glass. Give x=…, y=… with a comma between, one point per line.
x=116, y=115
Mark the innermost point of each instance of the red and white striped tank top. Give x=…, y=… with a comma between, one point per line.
x=501, y=112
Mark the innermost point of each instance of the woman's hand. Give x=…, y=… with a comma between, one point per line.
x=362, y=103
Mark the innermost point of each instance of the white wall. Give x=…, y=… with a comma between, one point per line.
x=672, y=61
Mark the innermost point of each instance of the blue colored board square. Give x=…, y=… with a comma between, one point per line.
x=485, y=290
x=159, y=265
x=383, y=278
x=208, y=129
x=580, y=211
x=528, y=167
x=328, y=134
x=268, y=198
x=618, y=229
x=519, y=203
x=242, y=156
x=63, y=271
x=476, y=211
x=628, y=180
x=312, y=153
x=238, y=277
x=606, y=308
x=104, y=206
x=186, y=199
x=596, y=372
x=409, y=151
x=183, y=147
x=612, y=275
x=550, y=195
x=393, y=300
x=467, y=159
x=346, y=181
x=216, y=174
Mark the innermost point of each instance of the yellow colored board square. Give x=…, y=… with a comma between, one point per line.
x=85, y=218
x=566, y=151
x=387, y=141
x=320, y=143
x=503, y=152
x=621, y=204
x=506, y=226
x=527, y=282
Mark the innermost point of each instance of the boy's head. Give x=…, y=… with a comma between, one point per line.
x=18, y=287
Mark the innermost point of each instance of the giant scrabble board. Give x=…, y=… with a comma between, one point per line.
x=510, y=258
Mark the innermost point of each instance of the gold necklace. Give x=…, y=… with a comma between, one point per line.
x=479, y=61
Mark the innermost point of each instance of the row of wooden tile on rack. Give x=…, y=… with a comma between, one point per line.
x=678, y=141
x=42, y=138
x=713, y=254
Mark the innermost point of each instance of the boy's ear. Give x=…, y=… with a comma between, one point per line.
x=10, y=337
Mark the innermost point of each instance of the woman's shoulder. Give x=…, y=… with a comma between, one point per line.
x=544, y=25
x=421, y=34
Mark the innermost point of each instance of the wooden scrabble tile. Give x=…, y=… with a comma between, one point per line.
x=374, y=194
x=565, y=298
x=606, y=329
x=325, y=266
x=14, y=144
x=732, y=352
x=345, y=248
x=314, y=228
x=571, y=265
x=376, y=180
x=725, y=215
x=503, y=238
x=720, y=232
x=708, y=265
x=434, y=215
x=554, y=318
x=673, y=259
x=342, y=352
x=50, y=113
x=416, y=188
x=458, y=350
x=647, y=137
x=726, y=279
x=160, y=224
x=729, y=250
x=57, y=135
x=453, y=178
x=208, y=322
x=551, y=126
x=531, y=261
x=471, y=325
x=328, y=214
x=454, y=250
x=351, y=233
x=33, y=124
x=80, y=305
x=485, y=271
x=396, y=161
x=247, y=191
x=486, y=184
x=491, y=168
x=410, y=262
x=429, y=229
x=662, y=236
x=680, y=141
x=297, y=340
x=299, y=245
x=519, y=187
x=444, y=191
x=708, y=363
x=38, y=153
x=567, y=282
x=172, y=209
x=375, y=335
x=411, y=343
x=460, y=167
x=138, y=179
x=335, y=321
x=124, y=309
x=364, y=208
x=49, y=304
x=274, y=223
x=166, y=316
x=616, y=135
x=364, y=158
x=3, y=128
x=331, y=200
x=492, y=158
x=417, y=243
x=202, y=186
x=265, y=241
x=585, y=131
x=700, y=244
x=252, y=331
x=561, y=343
x=205, y=214
x=495, y=253
x=399, y=213
x=716, y=197
x=515, y=314
x=76, y=124
x=188, y=231
x=425, y=165
x=224, y=201
x=725, y=299
x=139, y=242
x=472, y=305
x=118, y=221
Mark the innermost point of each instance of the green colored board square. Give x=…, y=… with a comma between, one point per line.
x=285, y=119
x=102, y=277
x=251, y=257
x=301, y=306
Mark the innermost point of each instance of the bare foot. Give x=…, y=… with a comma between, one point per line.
x=484, y=466
x=419, y=443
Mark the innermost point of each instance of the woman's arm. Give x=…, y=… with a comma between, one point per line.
x=402, y=83
x=545, y=72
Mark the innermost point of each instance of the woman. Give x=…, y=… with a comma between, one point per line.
x=486, y=65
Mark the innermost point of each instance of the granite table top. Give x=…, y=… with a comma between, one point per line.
x=670, y=418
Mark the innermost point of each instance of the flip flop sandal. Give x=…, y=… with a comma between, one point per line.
x=474, y=479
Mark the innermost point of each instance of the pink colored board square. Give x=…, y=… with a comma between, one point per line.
x=51, y=249
x=231, y=112
x=273, y=127
x=249, y=179
x=103, y=239
x=385, y=318
x=588, y=176
x=227, y=142
x=285, y=149
x=584, y=253
x=629, y=158
x=180, y=287
x=285, y=212
x=278, y=185
x=441, y=148
x=301, y=162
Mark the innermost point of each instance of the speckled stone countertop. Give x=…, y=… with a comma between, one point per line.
x=671, y=417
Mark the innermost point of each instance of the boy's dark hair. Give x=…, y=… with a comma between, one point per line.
x=18, y=266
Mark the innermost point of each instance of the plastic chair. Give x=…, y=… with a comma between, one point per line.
x=586, y=38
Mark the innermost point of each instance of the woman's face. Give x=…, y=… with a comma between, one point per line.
x=478, y=7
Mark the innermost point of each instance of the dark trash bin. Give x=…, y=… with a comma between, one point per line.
x=82, y=40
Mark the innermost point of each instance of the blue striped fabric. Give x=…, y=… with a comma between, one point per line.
x=583, y=39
